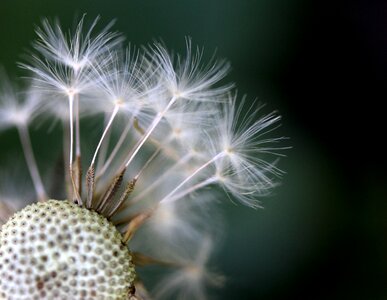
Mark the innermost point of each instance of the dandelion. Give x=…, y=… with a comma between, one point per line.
x=171, y=130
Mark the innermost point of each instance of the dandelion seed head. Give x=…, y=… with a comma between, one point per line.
x=55, y=249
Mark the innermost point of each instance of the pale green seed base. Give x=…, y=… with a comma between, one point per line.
x=58, y=250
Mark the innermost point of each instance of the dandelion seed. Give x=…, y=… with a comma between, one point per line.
x=171, y=129
x=234, y=157
x=186, y=81
x=66, y=69
x=122, y=84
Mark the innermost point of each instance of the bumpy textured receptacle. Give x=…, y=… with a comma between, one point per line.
x=58, y=250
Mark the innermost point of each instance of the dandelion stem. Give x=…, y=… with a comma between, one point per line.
x=168, y=198
x=115, y=149
x=105, y=145
x=78, y=165
x=113, y=115
x=149, y=131
x=66, y=139
x=77, y=127
x=71, y=114
x=31, y=162
x=192, y=189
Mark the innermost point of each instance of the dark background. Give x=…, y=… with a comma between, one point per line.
x=322, y=235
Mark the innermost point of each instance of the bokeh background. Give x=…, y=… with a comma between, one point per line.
x=322, y=65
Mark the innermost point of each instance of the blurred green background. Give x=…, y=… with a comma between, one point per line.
x=322, y=235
